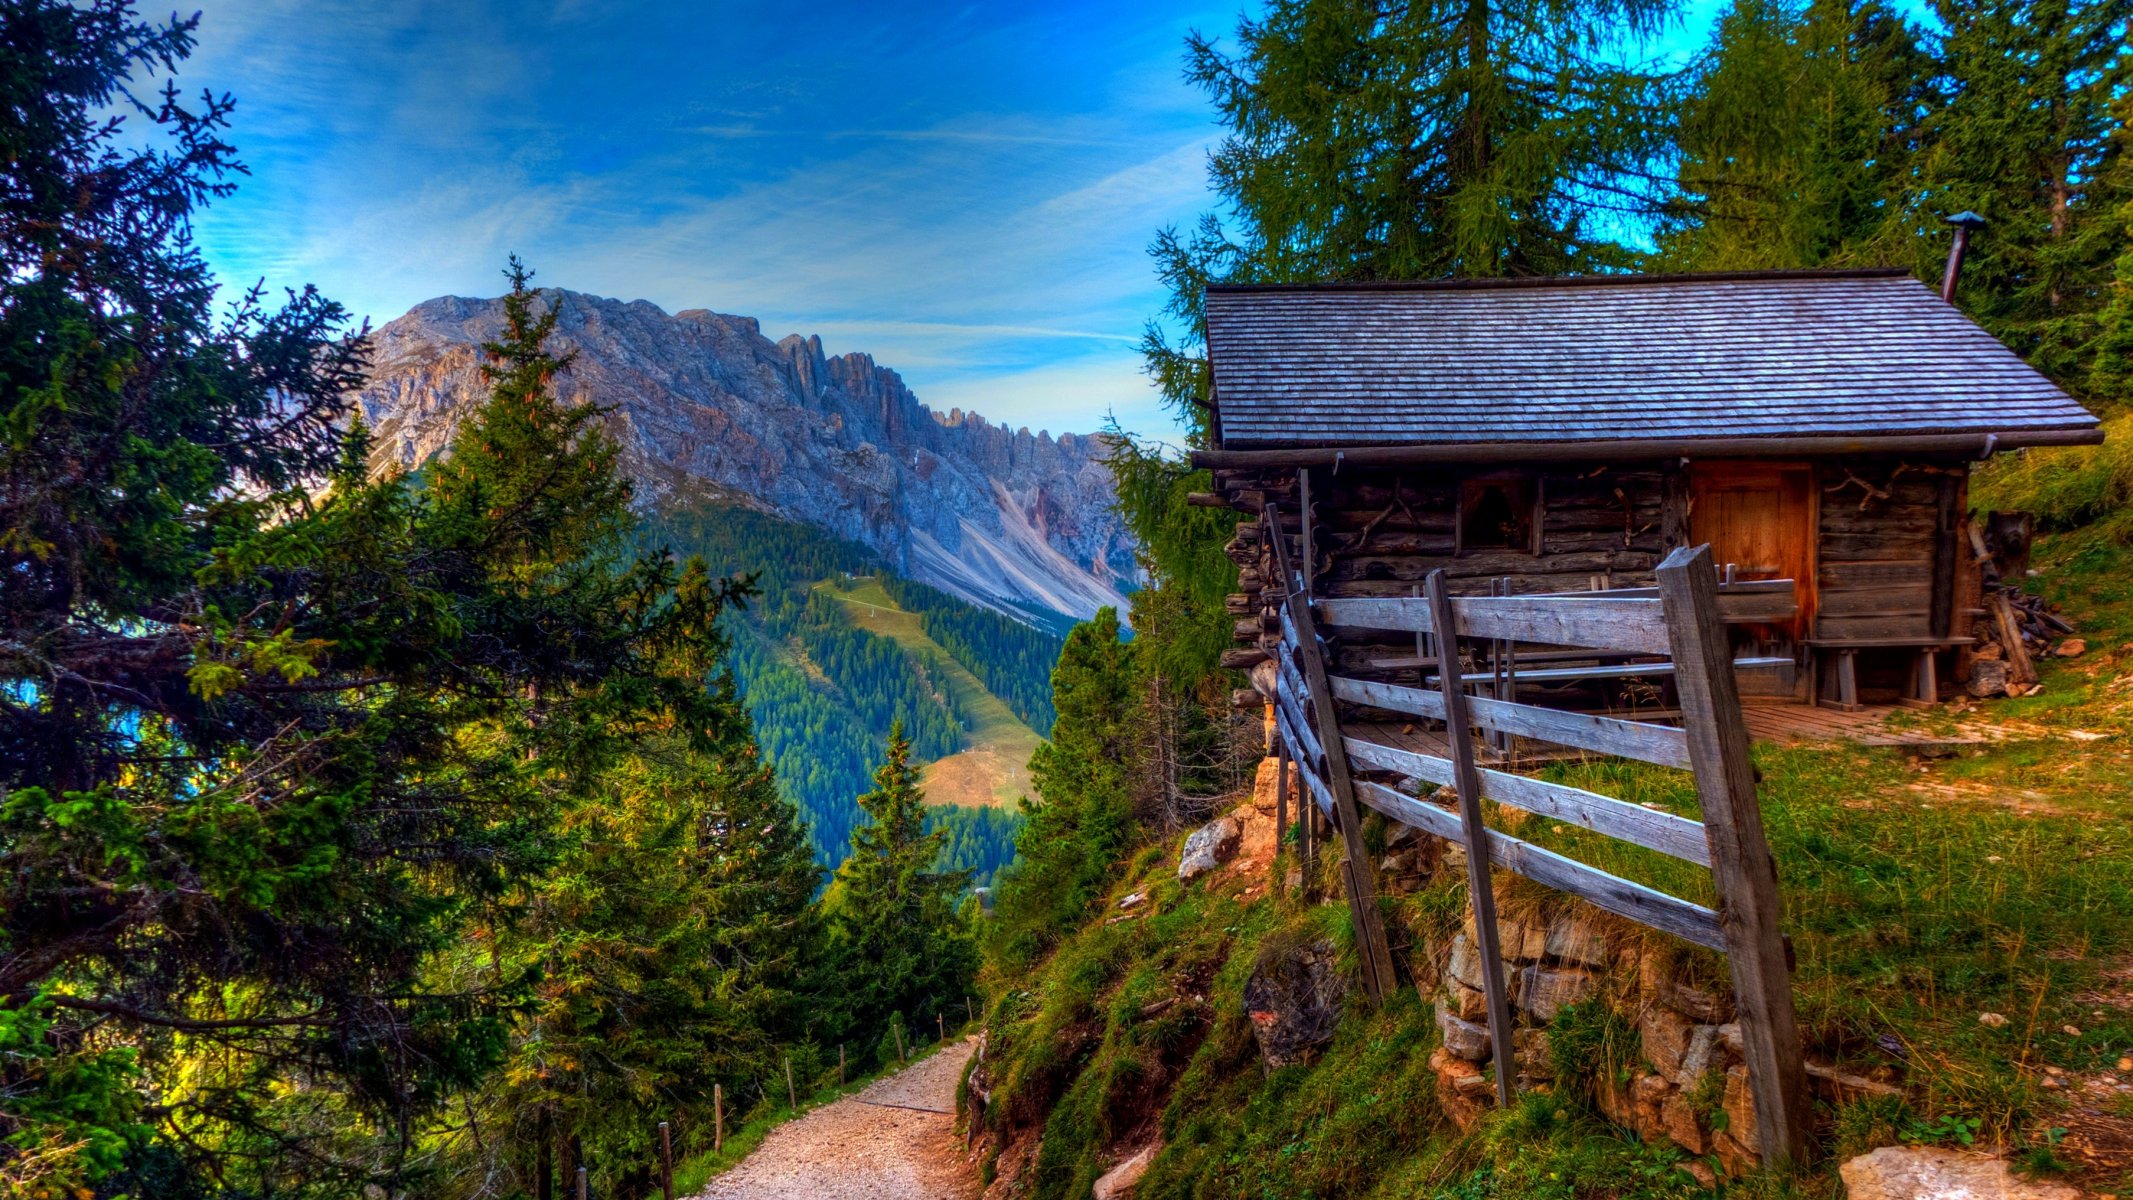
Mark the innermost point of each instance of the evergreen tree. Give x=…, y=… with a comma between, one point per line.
x=1081, y=820
x=1798, y=139
x=2026, y=136
x=902, y=948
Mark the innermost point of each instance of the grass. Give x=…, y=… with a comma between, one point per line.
x=993, y=765
x=1920, y=895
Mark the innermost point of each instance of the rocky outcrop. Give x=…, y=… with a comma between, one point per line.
x=704, y=405
x=1293, y=999
x=1930, y=1173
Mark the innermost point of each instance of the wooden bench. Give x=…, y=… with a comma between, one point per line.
x=1925, y=680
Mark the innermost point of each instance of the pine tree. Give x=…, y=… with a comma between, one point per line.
x=1798, y=139
x=901, y=947
x=1081, y=820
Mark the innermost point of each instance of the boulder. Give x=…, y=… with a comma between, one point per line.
x=1931, y=1173
x=1684, y=1125
x=1293, y=998
x=1120, y=1182
x=1468, y=1004
x=1576, y=940
x=1988, y=677
x=1665, y=1037
x=1466, y=1039
x=2071, y=648
x=1545, y=992
x=1209, y=847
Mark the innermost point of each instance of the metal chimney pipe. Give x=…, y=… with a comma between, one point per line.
x=1964, y=222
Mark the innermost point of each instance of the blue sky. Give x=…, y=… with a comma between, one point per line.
x=964, y=191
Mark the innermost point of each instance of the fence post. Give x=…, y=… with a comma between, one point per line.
x=1459, y=738
x=544, y=1154
x=666, y=1160
x=898, y=1030
x=970, y=1012
x=942, y=1024
x=840, y=1064
x=584, y=1185
x=792, y=1097
x=718, y=1117
x=1741, y=864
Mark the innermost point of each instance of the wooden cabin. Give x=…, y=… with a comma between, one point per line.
x=1549, y=435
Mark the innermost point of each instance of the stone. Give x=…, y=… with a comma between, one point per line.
x=1992, y=1020
x=1468, y=1004
x=1988, y=677
x=1517, y=941
x=1121, y=1181
x=1466, y=1039
x=1683, y=1124
x=1647, y=1106
x=1613, y=1100
x=1664, y=1035
x=1708, y=1007
x=1734, y=1156
x=1702, y=1055
x=2071, y=648
x=1456, y=1101
x=1576, y=940
x=1932, y=1173
x=1530, y=1051
x=1293, y=999
x=1209, y=847
x=1740, y=1106
x=1134, y=900
x=1464, y=965
x=1544, y=992
x=1700, y=1171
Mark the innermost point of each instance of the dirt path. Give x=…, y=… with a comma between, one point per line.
x=893, y=1140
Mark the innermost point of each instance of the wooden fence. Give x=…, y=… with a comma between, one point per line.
x=1681, y=619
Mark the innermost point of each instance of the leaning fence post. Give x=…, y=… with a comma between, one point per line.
x=718, y=1117
x=1741, y=865
x=792, y=1097
x=666, y=1160
x=1459, y=738
x=970, y=1012
x=941, y=1023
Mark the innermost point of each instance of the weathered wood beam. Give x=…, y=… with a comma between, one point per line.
x=1973, y=445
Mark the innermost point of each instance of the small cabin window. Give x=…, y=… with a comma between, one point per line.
x=1496, y=513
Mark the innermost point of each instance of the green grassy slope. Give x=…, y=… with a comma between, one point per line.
x=993, y=766
x=1920, y=894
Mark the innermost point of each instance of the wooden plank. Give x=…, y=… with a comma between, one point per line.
x=1600, y=619
x=1374, y=951
x=1741, y=866
x=1946, y=521
x=1640, y=740
x=1641, y=670
x=1303, y=510
x=1481, y=889
x=2018, y=660
x=1633, y=823
x=1281, y=791
x=1311, y=781
x=1648, y=906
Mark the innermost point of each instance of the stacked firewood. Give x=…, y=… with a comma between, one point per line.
x=2017, y=629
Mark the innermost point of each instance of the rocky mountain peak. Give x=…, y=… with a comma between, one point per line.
x=706, y=406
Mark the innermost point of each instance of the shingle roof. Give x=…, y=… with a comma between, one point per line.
x=1611, y=358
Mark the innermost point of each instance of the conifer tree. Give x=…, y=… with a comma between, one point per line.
x=902, y=948
x=1798, y=139
x=1081, y=819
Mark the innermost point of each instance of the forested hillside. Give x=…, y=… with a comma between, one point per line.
x=824, y=692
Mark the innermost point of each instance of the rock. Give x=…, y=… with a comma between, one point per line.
x=1988, y=677
x=1740, y=1106
x=1468, y=1004
x=1517, y=941
x=1134, y=900
x=1647, y=1106
x=1121, y=1180
x=1931, y=1173
x=1684, y=1125
x=1576, y=940
x=1734, y=1156
x=1544, y=992
x=1456, y=1091
x=1293, y=999
x=1531, y=1053
x=1702, y=1055
x=1701, y=1172
x=1464, y=966
x=2071, y=648
x=1465, y=1039
x=1710, y=1008
x=1992, y=1020
x=1664, y=1035
x=703, y=403
x=1209, y=847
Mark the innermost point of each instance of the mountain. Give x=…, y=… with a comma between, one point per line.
x=707, y=408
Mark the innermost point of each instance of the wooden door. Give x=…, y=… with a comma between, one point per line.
x=1759, y=518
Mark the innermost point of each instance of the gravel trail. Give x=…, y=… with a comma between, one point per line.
x=893, y=1140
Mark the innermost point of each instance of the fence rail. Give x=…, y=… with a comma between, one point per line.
x=1682, y=618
